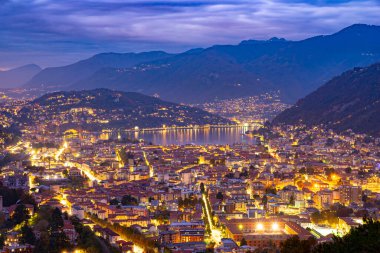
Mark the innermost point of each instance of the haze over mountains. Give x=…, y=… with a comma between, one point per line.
x=294, y=67
x=349, y=101
x=18, y=76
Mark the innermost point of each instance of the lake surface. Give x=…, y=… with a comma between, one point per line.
x=200, y=136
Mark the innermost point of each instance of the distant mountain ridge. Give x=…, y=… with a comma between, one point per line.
x=16, y=77
x=294, y=67
x=67, y=75
x=348, y=101
x=108, y=109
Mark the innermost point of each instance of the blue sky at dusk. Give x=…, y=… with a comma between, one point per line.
x=57, y=32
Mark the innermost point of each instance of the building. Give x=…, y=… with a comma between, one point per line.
x=350, y=194
x=264, y=232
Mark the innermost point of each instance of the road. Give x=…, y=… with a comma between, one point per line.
x=216, y=233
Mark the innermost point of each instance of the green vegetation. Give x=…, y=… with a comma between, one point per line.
x=20, y=214
x=363, y=239
x=128, y=200
x=8, y=158
x=220, y=196
x=295, y=245
x=11, y=196
x=325, y=217
x=243, y=242
x=202, y=187
x=345, y=102
x=86, y=237
x=127, y=233
x=50, y=225
x=187, y=202
x=125, y=109
x=27, y=235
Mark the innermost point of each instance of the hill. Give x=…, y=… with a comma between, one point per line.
x=18, y=76
x=294, y=67
x=106, y=109
x=349, y=101
x=67, y=75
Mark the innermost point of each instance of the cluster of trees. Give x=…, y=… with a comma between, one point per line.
x=331, y=216
x=12, y=196
x=295, y=245
x=244, y=174
x=124, y=155
x=190, y=202
x=220, y=196
x=162, y=215
x=365, y=238
x=49, y=222
x=126, y=200
x=87, y=239
x=9, y=135
x=127, y=233
x=308, y=170
x=8, y=158
x=325, y=217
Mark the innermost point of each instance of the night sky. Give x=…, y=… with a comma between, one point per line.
x=57, y=32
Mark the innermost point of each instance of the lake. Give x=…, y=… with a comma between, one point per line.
x=199, y=136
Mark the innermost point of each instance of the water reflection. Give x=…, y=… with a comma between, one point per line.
x=200, y=136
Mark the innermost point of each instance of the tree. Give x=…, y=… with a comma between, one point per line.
x=20, y=214
x=364, y=238
x=128, y=200
x=58, y=241
x=329, y=142
x=114, y=202
x=270, y=190
x=264, y=200
x=295, y=245
x=243, y=242
x=364, y=198
x=202, y=187
x=244, y=173
x=27, y=235
x=292, y=200
x=56, y=219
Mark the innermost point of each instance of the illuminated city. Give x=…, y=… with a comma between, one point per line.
x=190, y=126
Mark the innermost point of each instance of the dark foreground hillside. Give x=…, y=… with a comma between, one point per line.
x=349, y=101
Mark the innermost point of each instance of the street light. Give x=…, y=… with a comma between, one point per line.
x=275, y=226
x=259, y=226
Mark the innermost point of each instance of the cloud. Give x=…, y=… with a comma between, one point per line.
x=77, y=28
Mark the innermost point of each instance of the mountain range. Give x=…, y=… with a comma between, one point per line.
x=107, y=109
x=224, y=71
x=349, y=101
x=18, y=76
x=67, y=75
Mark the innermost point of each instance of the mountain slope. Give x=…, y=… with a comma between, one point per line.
x=294, y=67
x=106, y=109
x=349, y=101
x=18, y=76
x=186, y=78
x=67, y=75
